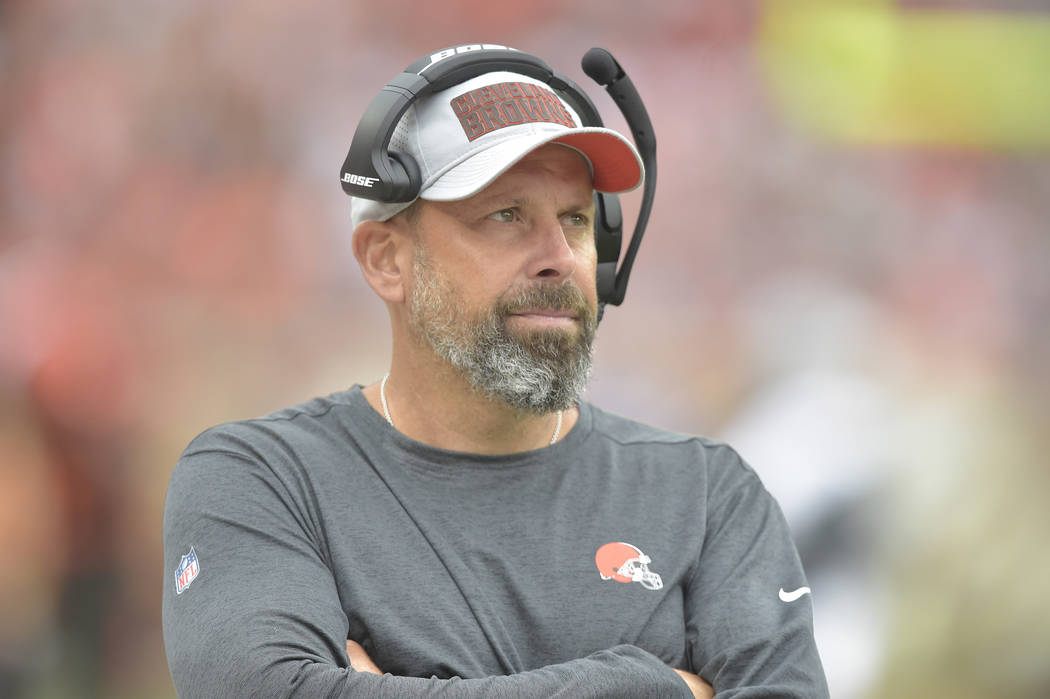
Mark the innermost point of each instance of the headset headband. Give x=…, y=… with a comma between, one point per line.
x=371, y=171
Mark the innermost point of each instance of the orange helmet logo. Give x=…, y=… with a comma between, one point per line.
x=626, y=563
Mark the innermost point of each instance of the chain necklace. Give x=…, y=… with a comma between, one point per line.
x=386, y=410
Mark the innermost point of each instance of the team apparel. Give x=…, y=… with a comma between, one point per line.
x=588, y=568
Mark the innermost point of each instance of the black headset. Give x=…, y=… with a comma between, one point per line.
x=372, y=171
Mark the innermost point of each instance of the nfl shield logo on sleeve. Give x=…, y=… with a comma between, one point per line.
x=187, y=571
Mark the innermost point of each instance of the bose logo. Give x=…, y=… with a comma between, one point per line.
x=448, y=53
x=359, y=180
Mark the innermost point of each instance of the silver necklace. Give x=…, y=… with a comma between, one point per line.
x=386, y=409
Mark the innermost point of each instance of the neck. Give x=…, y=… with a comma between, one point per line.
x=433, y=403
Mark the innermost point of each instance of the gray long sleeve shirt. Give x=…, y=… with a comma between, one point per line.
x=586, y=569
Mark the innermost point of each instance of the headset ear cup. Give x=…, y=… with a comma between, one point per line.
x=608, y=238
x=408, y=180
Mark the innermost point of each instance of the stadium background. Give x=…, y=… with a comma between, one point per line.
x=845, y=275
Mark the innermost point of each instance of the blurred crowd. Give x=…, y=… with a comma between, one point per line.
x=865, y=322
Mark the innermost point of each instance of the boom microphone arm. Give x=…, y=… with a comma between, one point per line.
x=604, y=70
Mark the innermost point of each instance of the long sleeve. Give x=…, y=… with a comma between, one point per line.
x=748, y=608
x=257, y=611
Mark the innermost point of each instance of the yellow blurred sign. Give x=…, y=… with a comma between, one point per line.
x=872, y=72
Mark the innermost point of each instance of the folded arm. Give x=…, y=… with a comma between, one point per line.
x=751, y=641
x=360, y=662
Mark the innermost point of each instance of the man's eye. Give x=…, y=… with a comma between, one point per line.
x=575, y=219
x=503, y=215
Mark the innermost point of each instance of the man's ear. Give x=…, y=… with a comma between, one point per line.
x=382, y=248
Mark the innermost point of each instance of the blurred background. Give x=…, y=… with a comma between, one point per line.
x=845, y=276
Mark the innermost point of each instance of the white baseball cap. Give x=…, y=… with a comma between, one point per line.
x=466, y=136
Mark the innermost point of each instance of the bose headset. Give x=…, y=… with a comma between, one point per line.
x=372, y=171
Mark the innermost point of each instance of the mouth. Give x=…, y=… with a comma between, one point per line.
x=545, y=317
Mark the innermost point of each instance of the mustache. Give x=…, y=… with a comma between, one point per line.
x=565, y=297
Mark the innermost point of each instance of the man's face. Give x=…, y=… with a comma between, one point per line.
x=504, y=282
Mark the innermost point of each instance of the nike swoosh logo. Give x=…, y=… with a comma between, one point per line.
x=793, y=595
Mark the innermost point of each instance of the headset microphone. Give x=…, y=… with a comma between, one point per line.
x=601, y=67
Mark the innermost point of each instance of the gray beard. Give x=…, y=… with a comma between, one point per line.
x=539, y=373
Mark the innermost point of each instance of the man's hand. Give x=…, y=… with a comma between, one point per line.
x=700, y=689
x=359, y=659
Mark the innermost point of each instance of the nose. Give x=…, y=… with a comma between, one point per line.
x=553, y=258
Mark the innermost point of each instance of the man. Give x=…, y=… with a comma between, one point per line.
x=467, y=526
